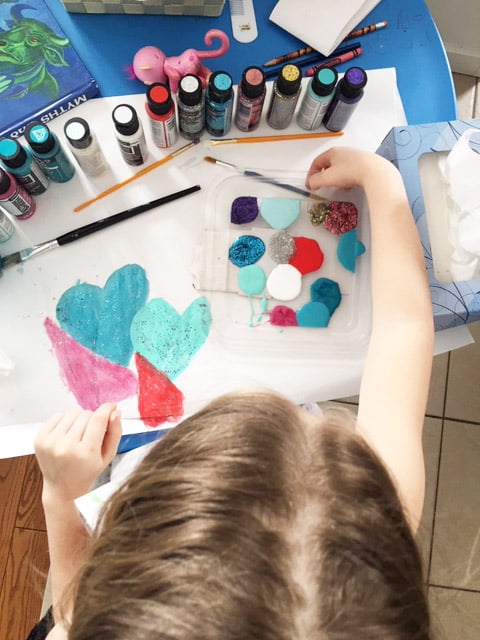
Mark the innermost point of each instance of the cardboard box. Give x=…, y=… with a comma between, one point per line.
x=454, y=303
x=208, y=8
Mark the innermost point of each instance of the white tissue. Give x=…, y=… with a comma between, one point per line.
x=461, y=171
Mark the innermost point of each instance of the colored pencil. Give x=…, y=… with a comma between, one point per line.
x=137, y=175
x=333, y=62
x=273, y=71
x=306, y=50
x=364, y=30
x=276, y=138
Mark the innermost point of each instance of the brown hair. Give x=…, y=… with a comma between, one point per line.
x=246, y=521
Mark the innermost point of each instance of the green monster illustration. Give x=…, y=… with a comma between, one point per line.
x=27, y=48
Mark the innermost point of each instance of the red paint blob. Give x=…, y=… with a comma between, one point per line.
x=283, y=316
x=308, y=256
x=159, y=400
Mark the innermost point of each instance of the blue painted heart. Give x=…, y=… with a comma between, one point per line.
x=100, y=318
x=167, y=339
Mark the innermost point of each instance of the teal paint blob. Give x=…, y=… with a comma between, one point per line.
x=252, y=279
x=349, y=248
x=326, y=291
x=167, y=339
x=313, y=314
x=246, y=250
x=280, y=213
x=100, y=318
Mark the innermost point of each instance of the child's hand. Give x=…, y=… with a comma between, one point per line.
x=73, y=449
x=345, y=167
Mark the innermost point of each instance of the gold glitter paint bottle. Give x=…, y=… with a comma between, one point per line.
x=285, y=93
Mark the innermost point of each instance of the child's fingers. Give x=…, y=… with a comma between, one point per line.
x=112, y=436
x=97, y=426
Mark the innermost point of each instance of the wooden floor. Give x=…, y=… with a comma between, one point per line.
x=23, y=547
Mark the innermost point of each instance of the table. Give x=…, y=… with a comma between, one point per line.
x=411, y=43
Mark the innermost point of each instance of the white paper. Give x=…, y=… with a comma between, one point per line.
x=319, y=23
x=34, y=389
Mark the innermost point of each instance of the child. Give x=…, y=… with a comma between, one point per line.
x=253, y=518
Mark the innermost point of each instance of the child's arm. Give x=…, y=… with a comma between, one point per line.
x=72, y=450
x=396, y=376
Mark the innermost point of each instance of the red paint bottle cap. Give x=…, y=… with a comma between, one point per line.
x=159, y=98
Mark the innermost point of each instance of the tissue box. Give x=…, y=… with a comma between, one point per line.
x=454, y=303
x=209, y=8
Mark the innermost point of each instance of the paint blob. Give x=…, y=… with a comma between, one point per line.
x=326, y=291
x=279, y=213
x=251, y=280
x=283, y=316
x=314, y=315
x=246, y=250
x=308, y=256
x=281, y=247
x=100, y=318
x=284, y=282
x=92, y=379
x=244, y=209
x=167, y=339
x=349, y=248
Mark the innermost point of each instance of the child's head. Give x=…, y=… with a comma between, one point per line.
x=252, y=519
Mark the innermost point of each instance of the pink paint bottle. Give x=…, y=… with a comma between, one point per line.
x=160, y=109
x=14, y=199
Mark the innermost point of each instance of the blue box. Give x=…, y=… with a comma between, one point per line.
x=454, y=303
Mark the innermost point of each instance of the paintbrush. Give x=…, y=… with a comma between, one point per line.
x=25, y=254
x=258, y=176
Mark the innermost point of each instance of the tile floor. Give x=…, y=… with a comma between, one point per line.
x=449, y=535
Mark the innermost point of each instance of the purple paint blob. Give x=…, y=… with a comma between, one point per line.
x=244, y=209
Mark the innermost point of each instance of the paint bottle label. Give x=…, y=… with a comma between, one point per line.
x=20, y=204
x=134, y=153
x=161, y=111
x=35, y=181
x=164, y=132
x=7, y=228
x=130, y=135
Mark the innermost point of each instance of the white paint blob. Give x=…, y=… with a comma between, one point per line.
x=284, y=282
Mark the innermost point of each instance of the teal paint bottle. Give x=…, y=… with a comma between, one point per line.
x=49, y=153
x=19, y=162
x=316, y=99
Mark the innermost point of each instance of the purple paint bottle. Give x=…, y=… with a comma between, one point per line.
x=251, y=96
x=14, y=199
x=348, y=93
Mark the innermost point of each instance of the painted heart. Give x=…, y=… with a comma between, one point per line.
x=167, y=339
x=313, y=314
x=100, y=318
x=91, y=378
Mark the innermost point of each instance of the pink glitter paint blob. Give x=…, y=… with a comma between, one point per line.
x=92, y=379
x=342, y=217
x=159, y=400
x=283, y=316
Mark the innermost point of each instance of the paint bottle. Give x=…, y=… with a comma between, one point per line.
x=19, y=162
x=191, y=107
x=130, y=135
x=84, y=146
x=219, y=103
x=14, y=200
x=250, y=99
x=317, y=97
x=7, y=228
x=285, y=93
x=160, y=109
x=48, y=152
x=348, y=93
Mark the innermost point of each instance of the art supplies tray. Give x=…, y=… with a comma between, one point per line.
x=238, y=319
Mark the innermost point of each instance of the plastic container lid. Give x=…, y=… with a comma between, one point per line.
x=125, y=119
x=289, y=79
x=353, y=82
x=78, y=133
x=324, y=81
x=39, y=137
x=12, y=153
x=159, y=98
x=220, y=86
x=253, y=82
x=190, y=90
